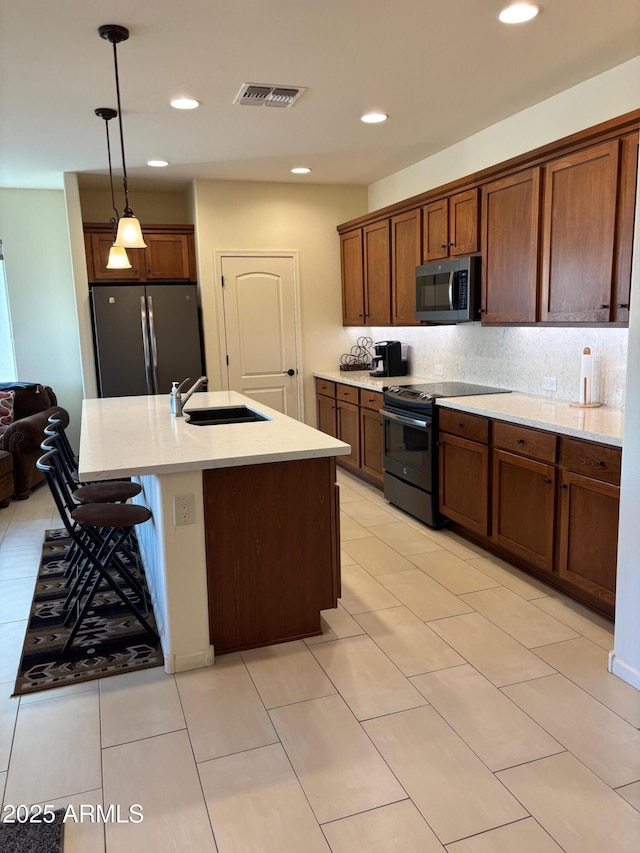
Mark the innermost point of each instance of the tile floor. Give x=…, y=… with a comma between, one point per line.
x=453, y=703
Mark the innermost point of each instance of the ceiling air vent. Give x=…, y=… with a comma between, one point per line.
x=263, y=95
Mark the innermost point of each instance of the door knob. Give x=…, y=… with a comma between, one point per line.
x=290, y=372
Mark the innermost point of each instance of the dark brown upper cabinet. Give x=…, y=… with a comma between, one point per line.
x=510, y=238
x=406, y=253
x=169, y=256
x=578, y=235
x=450, y=226
x=366, y=273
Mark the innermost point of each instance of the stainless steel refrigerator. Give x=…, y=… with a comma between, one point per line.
x=145, y=337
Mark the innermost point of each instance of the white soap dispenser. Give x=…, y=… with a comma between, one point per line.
x=173, y=397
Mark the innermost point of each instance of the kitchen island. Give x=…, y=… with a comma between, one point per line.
x=243, y=546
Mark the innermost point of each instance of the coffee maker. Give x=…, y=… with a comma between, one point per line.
x=388, y=359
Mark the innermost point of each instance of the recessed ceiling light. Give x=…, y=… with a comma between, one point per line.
x=373, y=118
x=301, y=170
x=518, y=13
x=185, y=103
x=158, y=164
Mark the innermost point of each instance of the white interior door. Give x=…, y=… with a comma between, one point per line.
x=259, y=295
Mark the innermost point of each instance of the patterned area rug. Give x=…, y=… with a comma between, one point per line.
x=110, y=641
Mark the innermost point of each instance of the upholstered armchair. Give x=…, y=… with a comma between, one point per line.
x=22, y=437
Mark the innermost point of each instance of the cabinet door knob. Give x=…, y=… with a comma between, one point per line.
x=443, y=245
x=547, y=481
x=622, y=305
x=563, y=486
x=519, y=440
x=599, y=464
x=604, y=306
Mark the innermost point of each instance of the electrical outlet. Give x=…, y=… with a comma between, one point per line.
x=183, y=510
x=548, y=383
x=438, y=370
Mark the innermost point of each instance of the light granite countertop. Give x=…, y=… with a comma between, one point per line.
x=362, y=379
x=604, y=424
x=129, y=436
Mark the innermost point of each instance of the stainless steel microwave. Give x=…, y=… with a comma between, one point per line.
x=448, y=291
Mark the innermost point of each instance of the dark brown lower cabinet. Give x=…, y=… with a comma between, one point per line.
x=464, y=482
x=272, y=545
x=523, y=503
x=588, y=534
x=348, y=430
x=547, y=503
x=371, y=444
x=326, y=415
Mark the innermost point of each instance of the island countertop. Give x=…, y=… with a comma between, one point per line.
x=129, y=436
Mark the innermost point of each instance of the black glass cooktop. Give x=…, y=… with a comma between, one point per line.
x=446, y=389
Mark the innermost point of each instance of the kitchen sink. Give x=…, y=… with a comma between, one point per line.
x=223, y=415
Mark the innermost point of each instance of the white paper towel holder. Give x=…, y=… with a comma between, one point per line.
x=586, y=378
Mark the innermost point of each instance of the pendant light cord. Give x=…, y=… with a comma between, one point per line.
x=113, y=200
x=127, y=210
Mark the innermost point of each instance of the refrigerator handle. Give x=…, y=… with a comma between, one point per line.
x=145, y=343
x=153, y=346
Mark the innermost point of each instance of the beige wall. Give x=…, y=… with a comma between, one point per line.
x=35, y=239
x=243, y=216
x=168, y=207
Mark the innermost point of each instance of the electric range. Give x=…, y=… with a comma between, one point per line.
x=410, y=421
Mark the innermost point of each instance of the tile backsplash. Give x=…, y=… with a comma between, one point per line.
x=514, y=357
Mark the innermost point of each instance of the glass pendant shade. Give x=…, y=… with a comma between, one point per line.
x=118, y=259
x=129, y=234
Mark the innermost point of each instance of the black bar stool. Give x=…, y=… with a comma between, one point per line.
x=104, y=491
x=99, y=532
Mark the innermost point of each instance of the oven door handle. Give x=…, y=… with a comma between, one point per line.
x=401, y=419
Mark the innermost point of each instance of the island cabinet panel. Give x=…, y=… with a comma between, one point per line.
x=524, y=507
x=406, y=255
x=510, y=228
x=271, y=534
x=579, y=226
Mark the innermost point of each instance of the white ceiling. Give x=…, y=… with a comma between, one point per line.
x=441, y=69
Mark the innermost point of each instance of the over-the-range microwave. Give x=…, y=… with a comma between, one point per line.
x=448, y=291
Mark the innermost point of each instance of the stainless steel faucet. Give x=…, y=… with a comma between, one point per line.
x=179, y=399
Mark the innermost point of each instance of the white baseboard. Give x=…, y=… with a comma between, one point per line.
x=624, y=671
x=194, y=660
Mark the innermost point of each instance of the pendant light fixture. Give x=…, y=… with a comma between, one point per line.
x=129, y=234
x=118, y=258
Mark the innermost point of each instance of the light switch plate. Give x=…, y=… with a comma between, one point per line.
x=548, y=383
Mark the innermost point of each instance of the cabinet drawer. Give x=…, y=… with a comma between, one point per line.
x=465, y=425
x=594, y=460
x=348, y=393
x=371, y=400
x=326, y=388
x=525, y=441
